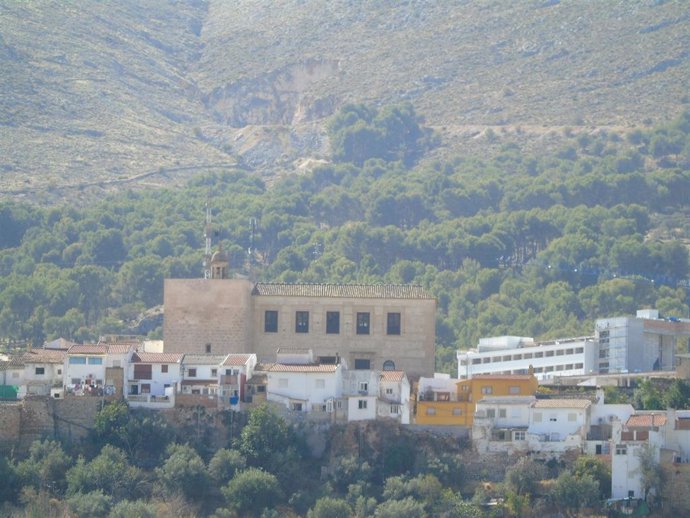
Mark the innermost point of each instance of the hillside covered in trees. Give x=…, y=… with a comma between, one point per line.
x=135, y=464
x=520, y=243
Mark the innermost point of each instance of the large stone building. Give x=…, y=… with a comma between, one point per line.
x=380, y=327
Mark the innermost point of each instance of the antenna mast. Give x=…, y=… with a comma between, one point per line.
x=207, y=237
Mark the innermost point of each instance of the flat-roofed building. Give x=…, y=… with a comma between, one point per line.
x=515, y=355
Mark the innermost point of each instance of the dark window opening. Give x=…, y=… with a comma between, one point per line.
x=40, y=371
x=302, y=322
x=389, y=365
x=191, y=373
x=332, y=322
x=271, y=321
x=208, y=348
x=142, y=371
x=362, y=323
x=327, y=360
x=362, y=364
x=393, y=324
x=164, y=368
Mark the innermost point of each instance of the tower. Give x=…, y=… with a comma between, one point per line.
x=207, y=238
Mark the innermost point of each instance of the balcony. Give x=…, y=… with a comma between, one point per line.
x=229, y=379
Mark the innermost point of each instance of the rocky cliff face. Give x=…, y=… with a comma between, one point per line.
x=285, y=96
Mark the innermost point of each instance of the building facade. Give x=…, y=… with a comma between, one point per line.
x=643, y=343
x=377, y=327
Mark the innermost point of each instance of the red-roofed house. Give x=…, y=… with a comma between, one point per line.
x=234, y=372
x=153, y=379
x=304, y=387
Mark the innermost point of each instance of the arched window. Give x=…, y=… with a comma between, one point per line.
x=389, y=365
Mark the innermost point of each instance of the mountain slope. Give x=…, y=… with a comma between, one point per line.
x=96, y=93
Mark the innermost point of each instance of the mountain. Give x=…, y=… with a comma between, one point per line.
x=97, y=94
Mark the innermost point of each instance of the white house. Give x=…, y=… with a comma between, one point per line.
x=43, y=370
x=12, y=377
x=153, y=379
x=234, y=372
x=200, y=373
x=558, y=425
x=84, y=369
x=304, y=388
x=394, y=396
x=361, y=390
x=500, y=424
x=643, y=431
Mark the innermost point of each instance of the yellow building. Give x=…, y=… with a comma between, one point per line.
x=451, y=402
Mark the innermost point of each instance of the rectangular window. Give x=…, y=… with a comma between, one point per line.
x=395, y=409
x=362, y=323
x=95, y=361
x=457, y=411
x=363, y=386
x=621, y=449
x=214, y=373
x=77, y=360
x=514, y=390
x=389, y=391
x=142, y=371
x=332, y=322
x=320, y=384
x=362, y=404
x=502, y=412
x=302, y=322
x=487, y=390
x=362, y=364
x=393, y=324
x=490, y=412
x=164, y=369
x=191, y=373
x=40, y=371
x=208, y=348
x=430, y=411
x=145, y=388
x=76, y=381
x=270, y=321
x=518, y=436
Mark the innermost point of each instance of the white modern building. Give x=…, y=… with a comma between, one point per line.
x=515, y=355
x=643, y=343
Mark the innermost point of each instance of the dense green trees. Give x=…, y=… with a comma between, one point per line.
x=519, y=243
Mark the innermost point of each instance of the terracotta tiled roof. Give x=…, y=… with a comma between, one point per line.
x=44, y=356
x=281, y=367
x=121, y=347
x=358, y=291
x=394, y=376
x=236, y=359
x=203, y=359
x=15, y=362
x=562, y=403
x=157, y=357
x=88, y=349
x=646, y=420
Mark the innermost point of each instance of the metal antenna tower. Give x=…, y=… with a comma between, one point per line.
x=207, y=237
